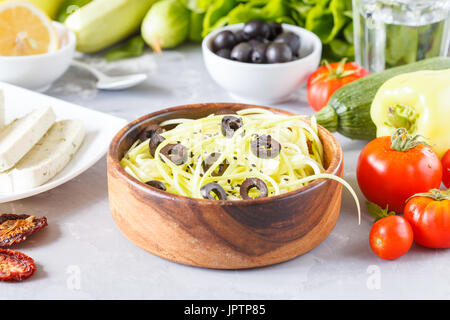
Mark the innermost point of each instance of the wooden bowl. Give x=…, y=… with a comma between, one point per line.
x=221, y=234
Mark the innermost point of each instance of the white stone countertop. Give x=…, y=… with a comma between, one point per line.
x=82, y=254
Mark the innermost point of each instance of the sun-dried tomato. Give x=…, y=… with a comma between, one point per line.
x=15, y=266
x=16, y=228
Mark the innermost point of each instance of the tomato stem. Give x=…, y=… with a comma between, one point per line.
x=335, y=74
x=402, y=141
x=435, y=194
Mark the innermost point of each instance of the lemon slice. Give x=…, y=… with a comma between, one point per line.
x=25, y=30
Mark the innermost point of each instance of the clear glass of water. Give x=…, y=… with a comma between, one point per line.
x=389, y=33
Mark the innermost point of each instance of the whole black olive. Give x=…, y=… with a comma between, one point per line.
x=230, y=124
x=256, y=29
x=242, y=52
x=214, y=188
x=156, y=184
x=154, y=142
x=254, y=42
x=148, y=131
x=291, y=39
x=175, y=152
x=265, y=147
x=210, y=160
x=240, y=36
x=224, y=40
x=278, y=52
x=275, y=29
x=251, y=183
x=224, y=53
x=259, y=53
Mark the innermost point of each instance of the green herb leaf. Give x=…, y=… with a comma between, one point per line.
x=134, y=47
x=218, y=10
x=377, y=212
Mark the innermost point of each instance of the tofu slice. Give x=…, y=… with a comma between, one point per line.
x=2, y=110
x=47, y=158
x=17, y=138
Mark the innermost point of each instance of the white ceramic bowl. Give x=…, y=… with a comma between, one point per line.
x=38, y=72
x=263, y=83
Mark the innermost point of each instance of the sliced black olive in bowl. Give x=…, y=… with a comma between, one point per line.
x=149, y=131
x=211, y=188
x=156, y=184
x=251, y=183
x=278, y=53
x=256, y=29
x=210, y=160
x=224, y=40
x=230, y=124
x=291, y=39
x=175, y=152
x=265, y=147
x=155, y=141
x=242, y=52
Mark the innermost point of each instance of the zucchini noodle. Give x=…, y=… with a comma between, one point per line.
x=298, y=162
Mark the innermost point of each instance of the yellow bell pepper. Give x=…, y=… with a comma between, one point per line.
x=419, y=102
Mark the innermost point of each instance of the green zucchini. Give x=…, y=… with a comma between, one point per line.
x=348, y=110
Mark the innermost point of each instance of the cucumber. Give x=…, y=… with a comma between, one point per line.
x=348, y=110
x=102, y=23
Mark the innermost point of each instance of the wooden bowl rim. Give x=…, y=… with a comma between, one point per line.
x=333, y=167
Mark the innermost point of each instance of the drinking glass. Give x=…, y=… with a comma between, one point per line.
x=389, y=33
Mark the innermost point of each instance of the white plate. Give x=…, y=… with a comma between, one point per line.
x=100, y=129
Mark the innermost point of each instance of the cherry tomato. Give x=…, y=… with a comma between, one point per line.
x=429, y=216
x=388, y=177
x=391, y=237
x=323, y=82
x=446, y=167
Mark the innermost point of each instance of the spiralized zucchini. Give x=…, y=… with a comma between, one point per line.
x=299, y=161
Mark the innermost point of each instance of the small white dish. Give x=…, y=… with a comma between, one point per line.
x=263, y=83
x=38, y=72
x=100, y=129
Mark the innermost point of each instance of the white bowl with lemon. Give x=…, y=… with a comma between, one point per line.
x=34, y=51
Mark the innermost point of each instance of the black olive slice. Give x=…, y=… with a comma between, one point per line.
x=230, y=124
x=156, y=184
x=210, y=160
x=214, y=188
x=175, y=152
x=250, y=183
x=149, y=131
x=154, y=142
x=265, y=147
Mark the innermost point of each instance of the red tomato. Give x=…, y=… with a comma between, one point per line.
x=391, y=237
x=323, y=82
x=446, y=168
x=388, y=177
x=430, y=219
